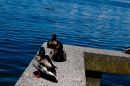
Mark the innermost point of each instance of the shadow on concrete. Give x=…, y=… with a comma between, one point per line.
x=93, y=74
x=47, y=77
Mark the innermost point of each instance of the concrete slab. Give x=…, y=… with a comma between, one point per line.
x=72, y=71
x=69, y=73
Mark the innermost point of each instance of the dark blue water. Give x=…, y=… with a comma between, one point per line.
x=26, y=24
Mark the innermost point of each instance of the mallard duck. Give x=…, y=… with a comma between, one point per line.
x=53, y=42
x=58, y=54
x=127, y=50
x=44, y=64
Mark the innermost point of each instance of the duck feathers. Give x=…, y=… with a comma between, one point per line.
x=44, y=65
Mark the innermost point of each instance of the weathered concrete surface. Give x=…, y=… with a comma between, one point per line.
x=96, y=63
x=69, y=73
x=107, y=63
x=72, y=71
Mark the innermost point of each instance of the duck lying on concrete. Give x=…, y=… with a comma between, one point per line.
x=58, y=54
x=44, y=64
x=127, y=50
x=53, y=42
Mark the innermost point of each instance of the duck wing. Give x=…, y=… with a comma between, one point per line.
x=40, y=66
x=50, y=61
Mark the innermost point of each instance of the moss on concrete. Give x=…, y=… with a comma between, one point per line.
x=92, y=82
x=105, y=63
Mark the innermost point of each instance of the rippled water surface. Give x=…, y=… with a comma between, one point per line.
x=26, y=24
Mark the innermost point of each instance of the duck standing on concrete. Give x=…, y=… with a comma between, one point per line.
x=44, y=64
x=58, y=54
x=53, y=42
x=127, y=50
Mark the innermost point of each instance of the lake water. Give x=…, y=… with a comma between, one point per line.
x=26, y=24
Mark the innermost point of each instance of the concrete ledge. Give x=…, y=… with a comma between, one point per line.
x=80, y=59
x=107, y=63
x=69, y=73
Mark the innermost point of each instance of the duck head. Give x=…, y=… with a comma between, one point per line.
x=54, y=37
x=59, y=47
x=42, y=52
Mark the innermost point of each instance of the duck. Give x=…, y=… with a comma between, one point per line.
x=46, y=8
x=52, y=44
x=58, y=54
x=127, y=50
x=43, y=64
